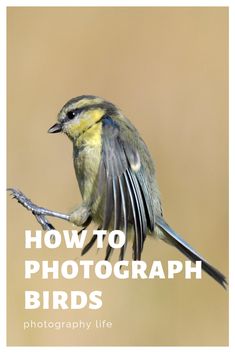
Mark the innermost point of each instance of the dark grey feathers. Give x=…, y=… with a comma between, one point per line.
x=127, y=202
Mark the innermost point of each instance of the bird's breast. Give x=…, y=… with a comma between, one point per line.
x=86, y=155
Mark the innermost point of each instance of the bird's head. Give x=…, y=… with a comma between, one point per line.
x=81, y=113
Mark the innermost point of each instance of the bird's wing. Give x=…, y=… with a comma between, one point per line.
x=121, y=177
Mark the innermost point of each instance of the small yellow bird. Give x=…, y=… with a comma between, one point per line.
x=116, y=177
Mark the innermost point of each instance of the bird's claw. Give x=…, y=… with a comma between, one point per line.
x=25, y=201
x=37, y=211
x=44, y=222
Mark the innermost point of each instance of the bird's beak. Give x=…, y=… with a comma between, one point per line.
x=55, y=128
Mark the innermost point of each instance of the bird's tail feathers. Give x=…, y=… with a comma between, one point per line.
x=173, y=238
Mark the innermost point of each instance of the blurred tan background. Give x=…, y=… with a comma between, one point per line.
x=167, y=69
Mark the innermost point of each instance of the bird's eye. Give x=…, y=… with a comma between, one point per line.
x=71, y=114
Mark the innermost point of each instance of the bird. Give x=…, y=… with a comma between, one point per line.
x=117, y=180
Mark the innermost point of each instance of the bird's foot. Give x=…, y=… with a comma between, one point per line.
x=25, y=201
x=38, y=212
